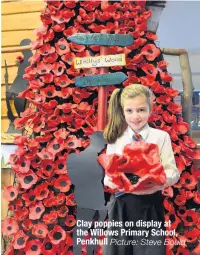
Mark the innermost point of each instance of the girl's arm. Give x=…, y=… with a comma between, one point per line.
x=168, y=162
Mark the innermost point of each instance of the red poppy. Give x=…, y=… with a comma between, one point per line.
x=20, y=240
x=187, y=193
x=60, y=165
x=165, y=77
x=63, y=16
x=182, y=251
x=70, y=31
x=192, y=235
x=48, y=35
x=21, y=215
x=65, y=93
x=169, y=118
x=29, y=197
x=168, y=205
x=68, y=58
x=188, y=181
x=137, y=43
x=50, y=218
x=42, y=139
x=190, y=218
x=172, y=217
x=27, y=224
x=76, y=47
x=48, y=248
x=27, y=180
x=150, y=51
x=10, y=193
x=180, y=200
x=174, y=108
x=51, y=58
x=47, y=78
x=56, y=235
x=55, y=146
x=44, y=68
x=36, y=210
x=54, y=5
x=150, y=70
x=163, y=99
x=62, y=47
x=49, y=201
x=70, y=200
x=63, y=211
x=10, y=251
x=162, y=65
x=49, y=91
x=58, y=68
x=181, y=211
x=58, y=27
x=40, y=230
x=33, y=247
x=62, y=183
x=41, y=191
x=85, y=18
x=189, y=141
x=196, y=250
x=79, y=94
x=37, y=43
x=72, y=71
x=34, y=59
x=70, y=221
x=46, y=49
x=151, y=36
x=73, y=142
x=9, y=226
x=71, y=4
x=61, y=133
x=62, y=81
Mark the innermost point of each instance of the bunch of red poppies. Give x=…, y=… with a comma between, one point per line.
x=61, y=116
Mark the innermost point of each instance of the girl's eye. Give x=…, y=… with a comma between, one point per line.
x=141, y=110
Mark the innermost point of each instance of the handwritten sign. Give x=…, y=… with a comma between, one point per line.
x=101, y=39
x=100, y=61
x=101, y=79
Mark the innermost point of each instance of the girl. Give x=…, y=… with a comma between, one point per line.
x=128, y=114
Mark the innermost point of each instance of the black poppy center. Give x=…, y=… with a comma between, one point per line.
x=64, y=210
x=62, y=47
x=38, y=209
x=23, y=164
x=63, y=183
x=37, y=160
x=42, y=193
x=12, y=194
x=9, y=228
x=31, y=198
x=61, y=19
x=62, y=82
x=48, y=167
x=49, y=93
x=57, y=235
x=182, y=211
x=40, y=231
x=20, y=240
x=46, y=156
x=70, y=143
x=34, y=247
x=158, y=122
x=48, y=246
x=60, y=69
x=150, y=51
x=60, y=166
x=28, y=179
x=46, y=52
x=15, y=158
x=172, y=218
x=189, y=218
x=188, y=181
x=43, y=71
x=56, y=146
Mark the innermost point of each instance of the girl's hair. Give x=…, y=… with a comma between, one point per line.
x=116, y=120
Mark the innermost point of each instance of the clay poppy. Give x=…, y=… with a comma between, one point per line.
x=49, y=35
x=163, y=99
x=189, y=141
x=174, y=108
x=63, y=183
x=29, y=197
x=40, y=230
x=44, y=68
x=68, y=58
x=70, y=200
x=73, y=142
x=63, y=211
x=71, y=4
x=173, y=218
x=49, y=201
x=70, y=221
x=36, y=210
x=197, y=197
x=60, y=166
x=150, y=51
x=10, y=193
x=50, y=218
x=41, y=191
x=58, y=68
x=61, y=133
x=62, y=81
x=168, y=205
x=55, y=5
x=151, y=36
x=180, y=200
x=62, y=16
x=188, y=181
x=76, y=124
x=79, y=94
x=90, y=5
x=169, y=118
x=49, y=91
x=27, y=180
x=65, y=93
x=10, y=251
x=192, y=235
x=62, y=47
x=27, y=224
x=46, y=49
x=165, y=77
x=42, y=139
x=56, y=235
x=20, y=240
x=181, y=211
x=51, y=58
x=33, y=247
x=190, y=218
x=150, y=70
x=9, y=226
x=47, y=78
x=59, y=199
x=182, y=251
x=72, y=71
x=48, y=248
x=70, y=31
x=196, y=250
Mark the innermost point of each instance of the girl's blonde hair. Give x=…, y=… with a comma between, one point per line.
x=116, y=121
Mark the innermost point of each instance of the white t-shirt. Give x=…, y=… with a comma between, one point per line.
x=149, y=135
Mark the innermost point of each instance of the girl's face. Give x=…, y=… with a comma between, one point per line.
x=136, y=112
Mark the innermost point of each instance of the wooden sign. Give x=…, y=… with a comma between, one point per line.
x=100, y=61
x=101, y=79
x=101, y=39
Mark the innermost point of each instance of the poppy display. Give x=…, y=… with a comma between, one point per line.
x=9, y=226
x=20, y=240
x=10, y=193
x=36, y=210
x=56, y=235
x=40, y=230
x=33, y=247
